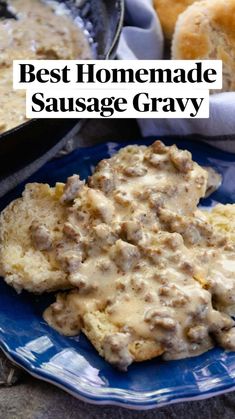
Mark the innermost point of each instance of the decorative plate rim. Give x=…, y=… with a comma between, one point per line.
x=148, y=404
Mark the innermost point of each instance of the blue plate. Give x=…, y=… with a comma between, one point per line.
x=72, y=363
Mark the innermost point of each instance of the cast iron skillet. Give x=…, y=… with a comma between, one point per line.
x=25, y=148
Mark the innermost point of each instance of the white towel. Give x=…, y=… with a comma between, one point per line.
x=142, y=39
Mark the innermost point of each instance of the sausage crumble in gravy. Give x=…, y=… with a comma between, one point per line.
x=147, y=273
x=146, y=265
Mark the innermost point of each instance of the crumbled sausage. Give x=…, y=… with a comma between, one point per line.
x=173, y=222
x=156, y=200
x=165, y=290
x=103, y=265
x=116, y=350
x=175, y=257
x=120, y=285
x=72, y=232
x=176, y=348
x=122, y=198
x=227, y=339
x=72, y=261
x=150, y=297
x=158, y=147
x=104, y=181
x=41, y=236
x=132, y=231
x=197, y=333
x=125, y=255
x=134, y=171
x=155, y=255
x=160, y=318
x=57, y=307
x=174, y=241
x=182, y=159
x=100, y=205
x=191, y=235
x=202, y=231
x=138, y=284
x=78, y=280
x=62, y=317
x=220, y=321
x=199, y=313
x=76, y=215
x=156, y=160
x=105, y=234
x=145, y=219
x=69, y=256
x=81, y=282
x=172, y=296
x=82, y=217
x=71, y=189
x=103, y=165
x=219, y=240
x=187, y=267
x=190, y=229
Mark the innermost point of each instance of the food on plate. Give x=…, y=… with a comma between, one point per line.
x=205, y=30
x=220, y=274
x=168, y=12
x=222, y=217
x=29, y=227
x=139, y=179
x=41, y=233
x=129, y=295
x=212, y=251
x=125, y=191
x=42, y=30
x=142, y=271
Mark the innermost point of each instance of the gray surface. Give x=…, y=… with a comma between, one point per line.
x=37, y=400
x=29, y=398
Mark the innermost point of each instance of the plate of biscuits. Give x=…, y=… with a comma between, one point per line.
x=118, y=273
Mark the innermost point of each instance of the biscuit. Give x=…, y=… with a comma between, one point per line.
x=206, y=31
x=168, y=12
x=135, y=302
x=139, y=179
x=222, y=218
x=147, y=268
x=23, y=264
x=97, y=327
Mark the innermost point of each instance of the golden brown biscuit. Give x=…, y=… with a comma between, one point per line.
x=39, y=247
x=206, y=31
x=168, y=12
x=28, y=226
x=222, y=217
x=97, y=327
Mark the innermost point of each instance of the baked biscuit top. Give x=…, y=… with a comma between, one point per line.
x=168, y=12
x=206, y=31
